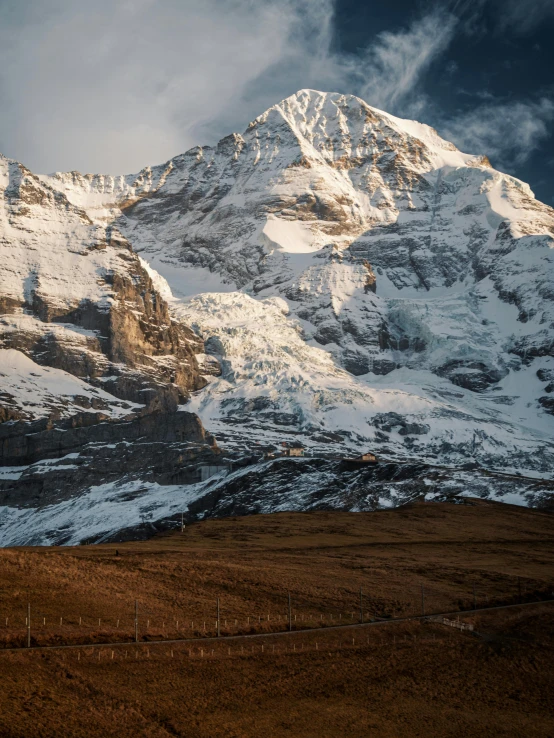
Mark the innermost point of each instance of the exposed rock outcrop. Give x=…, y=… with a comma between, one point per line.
x=25, y=443
x=75, y=296
x=90, y=356
x=335, y=275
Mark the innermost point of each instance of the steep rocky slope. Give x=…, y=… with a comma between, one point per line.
x=352, y=279
x=74, y=296
x=356, y=275
x=89, y=353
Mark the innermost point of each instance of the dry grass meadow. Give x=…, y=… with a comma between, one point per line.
x=391, y=679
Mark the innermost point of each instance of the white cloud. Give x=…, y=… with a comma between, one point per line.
x=117, y=84
x=507, y=132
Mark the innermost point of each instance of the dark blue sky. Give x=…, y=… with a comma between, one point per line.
x=494, y=56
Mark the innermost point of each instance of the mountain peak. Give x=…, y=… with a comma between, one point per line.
x=357, y=282
x=333, y=122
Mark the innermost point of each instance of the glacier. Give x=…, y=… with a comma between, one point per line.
x=344, y=278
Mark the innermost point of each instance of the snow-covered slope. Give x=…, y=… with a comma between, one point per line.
x=37, y=391
x=353, y=281
x=132, y=507
x=74, y=296
x=356, y=275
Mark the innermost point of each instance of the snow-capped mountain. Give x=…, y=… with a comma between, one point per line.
x=344, y=265
x=352, y=279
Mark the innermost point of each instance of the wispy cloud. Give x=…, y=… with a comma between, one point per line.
x=395, y=63
x=113, y=85
x=508, y=132
x=522, y=16
x=513, y=17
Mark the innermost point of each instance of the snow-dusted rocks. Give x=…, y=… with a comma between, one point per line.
x=420, y=271
x=90, y=357
x=32, y=391
x=74, y=296
x=352, y=279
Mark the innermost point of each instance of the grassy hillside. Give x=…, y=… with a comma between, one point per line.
x=390, y=679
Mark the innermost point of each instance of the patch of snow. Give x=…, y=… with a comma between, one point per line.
x=36, y=390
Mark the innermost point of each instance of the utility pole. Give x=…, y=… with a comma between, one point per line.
x=290, y=615
x=422, y=600
x=29, y=625
x=136, y=621
x=218, y=629
x=361, y=606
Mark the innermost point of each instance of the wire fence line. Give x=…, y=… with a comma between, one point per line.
x=34, y=628
x=103, y=653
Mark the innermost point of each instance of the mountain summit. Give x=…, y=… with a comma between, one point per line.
x=334, y=275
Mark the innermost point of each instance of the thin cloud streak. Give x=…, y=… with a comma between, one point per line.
x=507, y=132
x=395, y=64
x=522, y=16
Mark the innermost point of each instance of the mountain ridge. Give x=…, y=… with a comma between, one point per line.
x=351, y=280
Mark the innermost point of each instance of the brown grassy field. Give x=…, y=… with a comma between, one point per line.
x=399, y=679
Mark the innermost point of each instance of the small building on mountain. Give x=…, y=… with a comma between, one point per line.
x=367, y=459
x=270, y=452
x=294, y=451
x=291, y=450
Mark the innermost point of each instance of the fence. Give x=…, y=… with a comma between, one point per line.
x=302, y=643
x=39, y=626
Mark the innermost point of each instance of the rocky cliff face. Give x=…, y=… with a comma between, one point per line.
x=75, y=297
x=352, y=280
x=343, y=266
x=89, y=353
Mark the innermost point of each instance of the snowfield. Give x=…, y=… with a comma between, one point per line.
x=361, y=283
x=42, y=390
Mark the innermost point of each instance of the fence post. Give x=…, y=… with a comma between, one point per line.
x=29, y=625
x=136, y=621
x=361, y=606
x=423, y=600
x=290, y=615
x=218, y=628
